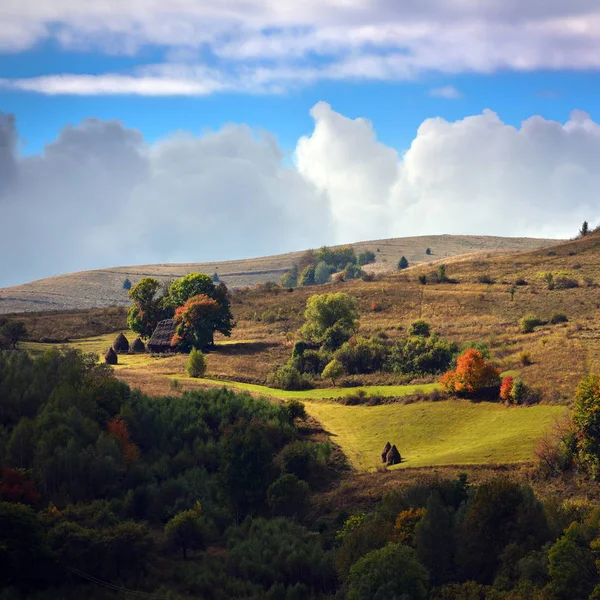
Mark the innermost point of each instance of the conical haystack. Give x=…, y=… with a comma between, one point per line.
x=111, y=357
x=393, y=456
x=386, y=449
x=138, y=346
x=121, y=344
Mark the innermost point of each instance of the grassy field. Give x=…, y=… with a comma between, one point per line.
x=104, y=287
x=442, y=433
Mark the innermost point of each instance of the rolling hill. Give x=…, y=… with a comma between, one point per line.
x=104, y=287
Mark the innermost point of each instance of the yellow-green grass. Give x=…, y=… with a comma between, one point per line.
x=440, y=433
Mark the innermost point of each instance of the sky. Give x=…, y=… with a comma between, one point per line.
x=144, y=131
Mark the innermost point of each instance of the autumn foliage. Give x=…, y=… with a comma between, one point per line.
x=404, y=528
x=472, y=374
x=16, y=486
x=506, y=389
x=195, y=321
x=117, y=429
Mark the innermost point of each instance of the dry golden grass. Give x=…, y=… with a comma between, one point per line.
x=104, y=287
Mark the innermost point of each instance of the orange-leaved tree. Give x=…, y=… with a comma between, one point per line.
x=117, y=429
x=472, y=373
x=506, y=388
x=196, y=322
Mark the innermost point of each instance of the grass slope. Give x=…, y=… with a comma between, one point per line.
x=441, y=433
x=103, y=287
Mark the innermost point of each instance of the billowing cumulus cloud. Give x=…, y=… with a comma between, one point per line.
x=100, y=195
x=272, y=45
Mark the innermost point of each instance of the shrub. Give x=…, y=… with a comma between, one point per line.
x=127, y=284
x=525, y=358
x=422, y=279
x=366, y=257
x=419, y=355
x=419, y=328
x=402, y=263
x=565, y=283
x=196, y=364
x=558, y=317
x=362, y=355
x=529, y=322
x=485, y=279
x=521, y=281
x=289, y=378
x=506, y=389
x=376, y=306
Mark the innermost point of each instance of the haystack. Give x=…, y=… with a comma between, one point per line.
x=160, y=341
x=393, y=456
x=121, y=344
x=386, y=449
x=111, y=357
x=138, y=346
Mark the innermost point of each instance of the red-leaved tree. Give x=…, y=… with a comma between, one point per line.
x=196, y=322
x=17, y=486
x=506, y=389
x=471, y=375
x=117, y=429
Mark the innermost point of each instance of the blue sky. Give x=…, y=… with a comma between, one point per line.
x=298, y=80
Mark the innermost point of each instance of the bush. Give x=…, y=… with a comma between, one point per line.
x=421, y=356
x=485, y=279
x=529, y=322
x=402, y=264
x=422, y=279
x=420, y=328
x=288, y=496
x=299, y=459
x=521, y=281
x=361, y=355
x=558, y=317
x=565, y=283
x=525, y=358
x=333, y=370
x=196, y=364
x=289, y=378
x=366, y=257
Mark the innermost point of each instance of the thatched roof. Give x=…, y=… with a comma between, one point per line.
x=111, y=357
x=386, y=449
x=121, y=344
x=161, y=338
x=393, y=456
x=138, y=345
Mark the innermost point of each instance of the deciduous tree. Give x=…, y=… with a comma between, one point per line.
x=472, y=374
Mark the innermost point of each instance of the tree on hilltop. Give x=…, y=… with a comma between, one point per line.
x=402, y=263
x=585, y=229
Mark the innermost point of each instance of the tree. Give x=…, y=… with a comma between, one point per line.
x=197, y=284
x=587, y=420
x=333, y=370
x=16, y=485
x=442, y=277
x=126, y=284
x=147, y=309
x=585, y=229
x=428, y=251
x=117, y=428
x=331, y=319
x=215, y=277
x=185, y=530
x=13, y=332
x=290, y=278
x=307, y=277
x=420, y=328
x=366, y=257
x=196, y=322
x=402, y=263
x=506, y=388
x=323, y=273
x=472, y=374
x=389, y=573
x=196, y=364
x=288, y=496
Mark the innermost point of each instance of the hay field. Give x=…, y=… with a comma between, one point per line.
x=102, y=288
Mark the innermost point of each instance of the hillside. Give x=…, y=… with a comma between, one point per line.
x=104, y=287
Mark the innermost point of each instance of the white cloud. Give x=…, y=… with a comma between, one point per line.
x=259, y=45
x=100, y=195
x=448, y=91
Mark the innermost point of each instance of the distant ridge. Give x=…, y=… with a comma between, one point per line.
x=104, y=287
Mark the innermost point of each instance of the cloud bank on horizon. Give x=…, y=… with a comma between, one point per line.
x=100, y=195
x=267, y=46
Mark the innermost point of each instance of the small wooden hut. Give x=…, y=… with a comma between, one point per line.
x=160, y=342
x=121, y=344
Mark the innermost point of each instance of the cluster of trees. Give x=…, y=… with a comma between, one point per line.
x=316, y=267
x=199, y=306
x=330, y=348
x=102, y=480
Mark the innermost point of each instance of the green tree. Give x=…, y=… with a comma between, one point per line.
x=322, y=273
x=387, y=574
x=147, y=309
x=420, y=328
x=585, y=229
x=428, y=251
x=13, y=332
x=196, y=364
x=402, y=263
x=127, y=284
x=441, y=274
x=366, y=257
x=290, y=278
x=215, y=277
x=327, y=312
x=333, y=370
x=307, y=277
x=185, y=530
x=288, y=496
x=587, y=420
